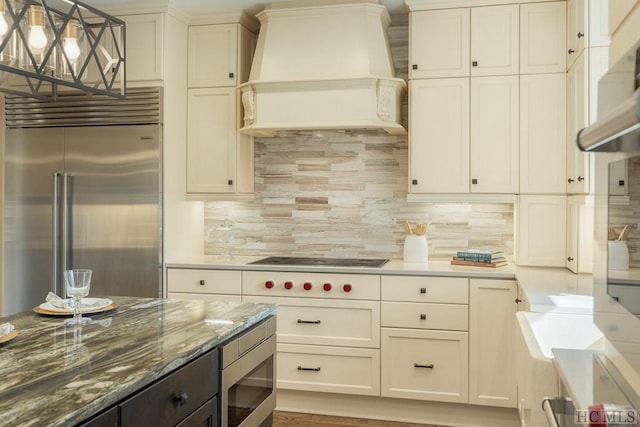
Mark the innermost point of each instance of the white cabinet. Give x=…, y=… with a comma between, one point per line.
x=542, y=37
x=541, y=229
x=439, y=135
x=464, y=135
x=494, y=134
x=219, y=158
x=494, y=40
x=213, y=145
x=439, y=43
x=424, y=338
x=461, y=42
x=492, y=309
x=542, y=133
x=215, y=285
x=425, y=364
x=144, y=47
x=219, y=55
x=580, y=234
x=587, y=26
x=582, y=110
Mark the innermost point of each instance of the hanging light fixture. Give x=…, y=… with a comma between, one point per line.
x=45, y=44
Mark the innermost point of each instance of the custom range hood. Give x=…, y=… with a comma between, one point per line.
x=322, y=65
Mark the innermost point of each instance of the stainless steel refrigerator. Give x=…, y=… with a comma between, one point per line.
x=84, y=196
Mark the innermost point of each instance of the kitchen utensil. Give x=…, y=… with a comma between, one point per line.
x=613, y=235
x=420, y=229
x=625, y=232
x=78, y=282
x=407, y=226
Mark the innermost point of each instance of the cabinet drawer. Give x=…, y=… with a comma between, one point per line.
x=204, y=281
x=328, y=369
x=159, y=404
x=425, y=316
x=205, y=297
x=108, y=418
x=425, y=289
x=425, y=365
x=326, y=322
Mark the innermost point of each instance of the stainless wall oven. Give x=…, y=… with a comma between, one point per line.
x=247, y=375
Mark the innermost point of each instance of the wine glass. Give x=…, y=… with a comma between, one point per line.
x=78, y=282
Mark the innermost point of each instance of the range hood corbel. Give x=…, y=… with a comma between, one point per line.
x=322, y=66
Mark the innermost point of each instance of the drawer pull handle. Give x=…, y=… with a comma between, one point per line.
x=423, y=290
x=418, y=365
x=202, y=282
x=181, y=399
x=423, y=317
x=315, y=322
x=300, y=368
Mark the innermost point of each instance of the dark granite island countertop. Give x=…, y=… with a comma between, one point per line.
x=52, y=375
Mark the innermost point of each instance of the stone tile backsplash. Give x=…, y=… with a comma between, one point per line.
x=342, y=194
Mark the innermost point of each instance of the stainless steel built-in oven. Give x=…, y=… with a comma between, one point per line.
x=247, y=374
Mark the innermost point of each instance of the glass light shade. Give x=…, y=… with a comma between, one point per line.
x=4, y=27
x=37, y=39
x=71, y=48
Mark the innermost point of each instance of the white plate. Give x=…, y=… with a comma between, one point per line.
x=86, y=306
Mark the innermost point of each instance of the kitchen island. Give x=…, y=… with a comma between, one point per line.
x=52, y=375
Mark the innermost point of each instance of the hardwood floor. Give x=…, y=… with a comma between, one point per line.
x=294, y=419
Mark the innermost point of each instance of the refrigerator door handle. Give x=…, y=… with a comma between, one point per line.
x=64, y=231
x=55, y=261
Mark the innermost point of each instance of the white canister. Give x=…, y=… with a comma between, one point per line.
x=416, y=249
x=618, y=255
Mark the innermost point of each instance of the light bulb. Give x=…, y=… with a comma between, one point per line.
x=71, y=48
x=3, y=25
x=37, y=38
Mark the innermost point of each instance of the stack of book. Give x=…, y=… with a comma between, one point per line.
x=479, y=258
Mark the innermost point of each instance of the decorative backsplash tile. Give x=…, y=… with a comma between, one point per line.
x=342, y=193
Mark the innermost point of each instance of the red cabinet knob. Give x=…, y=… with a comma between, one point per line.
x=307, y=286
x=268, y=284
x=346, y=287
x=288, y=285
x=326, y=287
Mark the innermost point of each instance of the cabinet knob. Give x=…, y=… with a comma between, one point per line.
x=423, y=317
x=580, y=178
x=571, y=51
x=230, y=182
x=268, y=284
x=474, y=180
x=202, y=283
x=571, y=180
x=474, y=63
x=326, y=287
x=231, y=75
x=288, y=285
x=518, y=300
x=621, y=183
x=580, y=34
x=307, y=286
x=414, y=182
x=181, y=399
x=423, y=290
x=346, y=287
x=570, y=259
x=414, y=67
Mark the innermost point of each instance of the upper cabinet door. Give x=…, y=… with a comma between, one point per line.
x=543, y=38
x=213, y=55
x=144, y=47
x=494, y=134
x=439, y=45
x=494, y=40
x=439, y=136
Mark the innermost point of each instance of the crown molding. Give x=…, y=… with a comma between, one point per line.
x=414, y=5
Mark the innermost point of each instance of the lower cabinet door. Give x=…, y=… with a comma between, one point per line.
x=425, y=364
x=108, y=418
x=328, y=369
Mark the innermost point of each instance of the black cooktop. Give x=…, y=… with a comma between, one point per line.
x=330, y=262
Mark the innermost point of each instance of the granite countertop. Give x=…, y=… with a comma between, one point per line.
x=54, y=375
